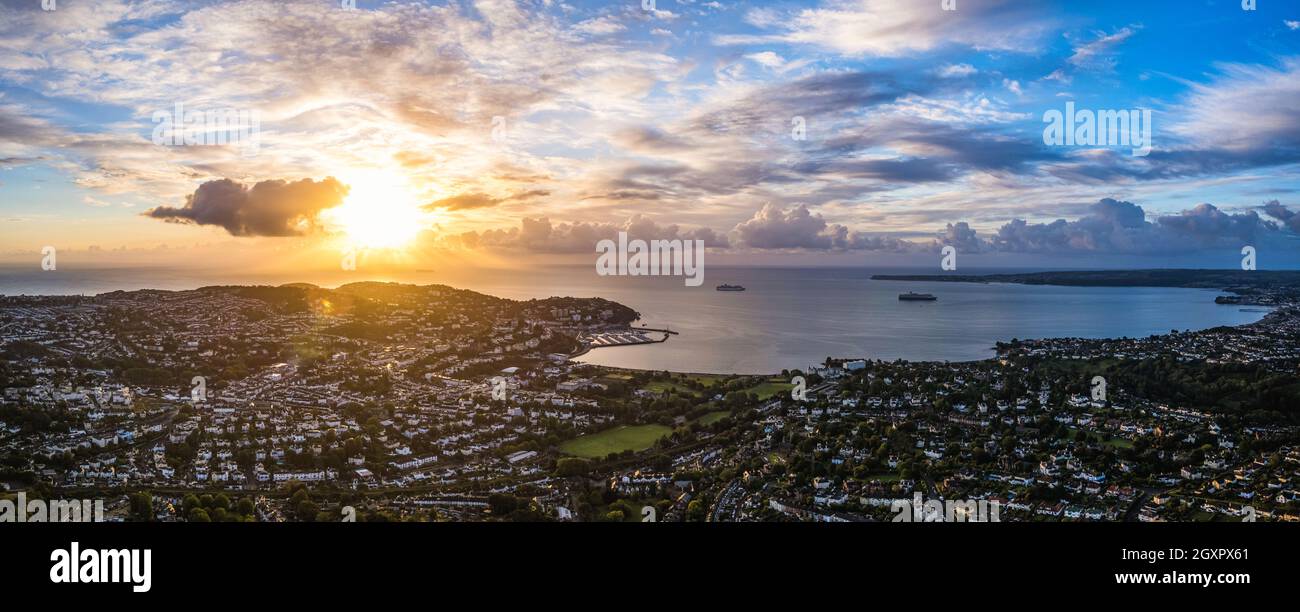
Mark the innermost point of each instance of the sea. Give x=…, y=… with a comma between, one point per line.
x=786, y=318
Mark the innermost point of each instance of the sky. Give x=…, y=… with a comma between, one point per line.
x=499, y=133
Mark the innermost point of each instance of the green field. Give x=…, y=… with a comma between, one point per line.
x=713, y=417
x=769, y=388
x=1120, y=443
x=617, y=440
x=659, y=386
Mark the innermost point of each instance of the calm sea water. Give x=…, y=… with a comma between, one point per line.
x=788, y=317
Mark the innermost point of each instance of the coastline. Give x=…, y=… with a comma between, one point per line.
x=1038, y=278
x=1276, y=305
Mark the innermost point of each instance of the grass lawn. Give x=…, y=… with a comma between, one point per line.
x=659, y=386
x=713, y=417
x=707, y=380
x=767, y=389
x=617, y=440
x=1120, y=443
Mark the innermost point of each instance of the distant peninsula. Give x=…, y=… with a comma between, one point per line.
x=1229, y=280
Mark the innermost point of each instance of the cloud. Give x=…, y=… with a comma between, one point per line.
x=1117, y=227
x=466, y=201
x=1107, y=227
x=268, y=208
x=1247, y=109
x=600, y=25
x=1208, y=225
x=617, y=123
x=539, y=235
x=892, y=28
x=1289, y=218
x=773, y=228
x=1243, y=118
x=797, y=228
x=961, y=236
x=952, y=71
x=1099, y=53
x=768, y=59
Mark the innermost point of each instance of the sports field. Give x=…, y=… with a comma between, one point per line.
x=617, y=440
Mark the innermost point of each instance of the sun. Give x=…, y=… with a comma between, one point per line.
x=380, y=211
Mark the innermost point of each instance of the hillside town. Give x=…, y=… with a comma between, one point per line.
x=380, y=401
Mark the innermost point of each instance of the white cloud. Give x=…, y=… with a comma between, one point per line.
x=957, y=70
x=1243, y=108
x=891, y=28
x=767, y=58
x=600, y=25
x=1099, y=53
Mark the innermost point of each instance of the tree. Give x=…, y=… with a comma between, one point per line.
x=502, y=504
x=572, y=466
x=306, y=510
x=142, y=506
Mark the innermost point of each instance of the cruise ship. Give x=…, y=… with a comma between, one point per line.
x=916, y=297
x=726, y=287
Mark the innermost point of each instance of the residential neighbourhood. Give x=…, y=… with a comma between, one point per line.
x=430, y=403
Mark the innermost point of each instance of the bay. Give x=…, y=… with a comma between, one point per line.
x=787, y=317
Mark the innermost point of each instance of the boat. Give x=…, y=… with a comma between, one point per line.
x=916, y=297
x=726, y=287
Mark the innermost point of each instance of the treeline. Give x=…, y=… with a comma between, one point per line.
x=1255, y=393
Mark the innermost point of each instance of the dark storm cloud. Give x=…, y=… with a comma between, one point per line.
x=268, y=208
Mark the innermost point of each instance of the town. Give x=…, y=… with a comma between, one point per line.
x=388, y=402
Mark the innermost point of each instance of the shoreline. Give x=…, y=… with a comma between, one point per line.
x=1039, y=278
x=1272, y=310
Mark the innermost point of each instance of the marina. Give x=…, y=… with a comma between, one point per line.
x=629, y=337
